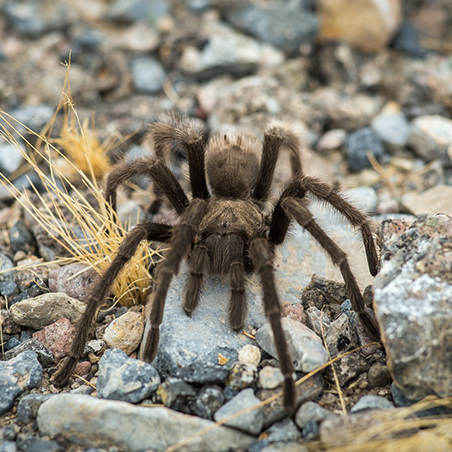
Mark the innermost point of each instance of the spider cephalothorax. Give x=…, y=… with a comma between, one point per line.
x=226, y=230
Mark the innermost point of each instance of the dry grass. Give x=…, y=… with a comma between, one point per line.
x=99, y=232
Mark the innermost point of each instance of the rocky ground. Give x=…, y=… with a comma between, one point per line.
x=373, y=104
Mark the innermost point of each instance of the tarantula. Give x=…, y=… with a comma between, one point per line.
x=225, y=230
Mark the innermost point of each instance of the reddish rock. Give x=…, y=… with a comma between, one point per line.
x=293, y=311
x=79, y=287
x=82, y=369
x=57, y=337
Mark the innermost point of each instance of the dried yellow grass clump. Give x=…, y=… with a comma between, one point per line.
x=101, y=229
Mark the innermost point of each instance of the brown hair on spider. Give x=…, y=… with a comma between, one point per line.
x=224, y=230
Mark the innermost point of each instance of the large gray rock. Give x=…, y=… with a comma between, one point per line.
x=205, y=335
x=124, y=378
x=45, y=309
x=16, y=375
x=413, y=301
x=92, y=422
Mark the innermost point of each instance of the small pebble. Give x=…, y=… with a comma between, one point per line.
x=359, y=143
x=371, y=402
x=250, y=354
x=378, y=375
x=270, y=378
x=125, y=332
x=311, y=411
x=242, y=375
x=207, y=402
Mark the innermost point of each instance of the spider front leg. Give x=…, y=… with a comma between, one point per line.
x=197, y=264
x=142, y=231
x=183, y=238
x=296, y=209
x=262, y=255
x=157, y=171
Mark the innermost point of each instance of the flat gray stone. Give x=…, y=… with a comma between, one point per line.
x=249, y=422
x=92, y=422
x=45, y=309
x=124, y=378
x=305, y=347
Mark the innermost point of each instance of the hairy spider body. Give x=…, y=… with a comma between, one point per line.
x=225, y=230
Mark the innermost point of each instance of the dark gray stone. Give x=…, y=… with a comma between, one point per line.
x=284, y=430
x=200, y=373
x=348, y=368
x=359, y=143
x=407, y=41
x=378, y=375
x=124, y=378
x=11, y=343
x=311, y=411
x=249, y=422
x=284, y=25
x=28, y=406
x=176, y=394
x=311, y=430
x=21, y=238
x=371, y=402
x=16, y=375
x=207, y=402
x=45, y=356
x=341, y=336
x=148, y=75
x=275, y=411
x=8, y=286
x=91, y=422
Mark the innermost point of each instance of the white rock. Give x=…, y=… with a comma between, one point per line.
x=250, y=354
x=125, y=332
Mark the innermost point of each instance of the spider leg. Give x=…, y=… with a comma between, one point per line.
x=329, y=194
x=197, y=264
x=261, y=253
x=177, y=132
x=157, y=170
x=142, y=231
x=181, y=242
x=238, y=306
x=296, y=208
x=274, y=139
